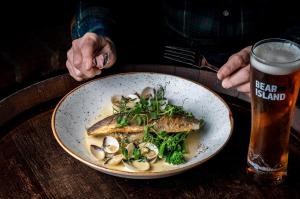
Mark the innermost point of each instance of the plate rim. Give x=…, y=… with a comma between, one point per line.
x=135, y=175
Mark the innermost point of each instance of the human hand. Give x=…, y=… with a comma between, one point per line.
x=89, y=55
x=235, y=73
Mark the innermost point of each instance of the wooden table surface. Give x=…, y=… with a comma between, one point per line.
x=33, y=165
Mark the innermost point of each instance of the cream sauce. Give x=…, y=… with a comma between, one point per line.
x=192, y=148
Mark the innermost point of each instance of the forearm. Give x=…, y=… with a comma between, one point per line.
x=92, y=17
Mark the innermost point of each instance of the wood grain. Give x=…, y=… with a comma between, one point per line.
x=34, y=95
x=33, y=165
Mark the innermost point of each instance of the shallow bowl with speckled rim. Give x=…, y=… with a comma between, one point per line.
x=80, y=108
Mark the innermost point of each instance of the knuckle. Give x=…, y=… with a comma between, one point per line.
x=237, y=59
x=74, y=42
x=247, y=68
x=226, y=70
x=90, y=37
x=77, y=60
x=246, y=73
x=87, y=65
x=77, y=63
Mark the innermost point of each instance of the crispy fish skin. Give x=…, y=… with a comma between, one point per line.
x=177, y=124
x=109, y=125
x=173, y=124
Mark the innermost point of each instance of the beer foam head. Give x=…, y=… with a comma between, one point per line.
x=276, y=56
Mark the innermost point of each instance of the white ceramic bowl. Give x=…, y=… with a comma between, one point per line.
x=80, y=108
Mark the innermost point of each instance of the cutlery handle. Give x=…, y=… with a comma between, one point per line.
x=210, y=67
x=205, y=64
x=213, y=68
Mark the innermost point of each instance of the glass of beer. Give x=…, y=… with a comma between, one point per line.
x=274, y=82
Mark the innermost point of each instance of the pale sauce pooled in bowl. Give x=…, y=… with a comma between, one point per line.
x=145, y=132
x=193, y=147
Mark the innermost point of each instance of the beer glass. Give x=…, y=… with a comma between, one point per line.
x=274, y=79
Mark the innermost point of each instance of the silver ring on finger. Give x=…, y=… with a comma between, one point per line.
x=106, y=59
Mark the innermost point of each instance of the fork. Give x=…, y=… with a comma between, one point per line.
x=186, y=56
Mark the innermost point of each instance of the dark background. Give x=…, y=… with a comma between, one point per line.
x=34, y=39
x=35, y=36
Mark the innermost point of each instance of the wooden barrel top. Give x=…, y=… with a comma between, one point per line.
x=33, y=165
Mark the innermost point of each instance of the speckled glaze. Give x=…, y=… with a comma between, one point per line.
x=80, y=108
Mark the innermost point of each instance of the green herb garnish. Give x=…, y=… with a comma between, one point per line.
x=171, y=146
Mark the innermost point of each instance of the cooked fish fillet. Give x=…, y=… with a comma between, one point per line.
x=173, y=124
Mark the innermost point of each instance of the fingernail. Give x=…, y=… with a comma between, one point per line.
x=226, y=84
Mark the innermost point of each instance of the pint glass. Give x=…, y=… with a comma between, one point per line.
x=274, y=82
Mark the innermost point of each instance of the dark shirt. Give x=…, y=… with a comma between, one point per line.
x=217, y=28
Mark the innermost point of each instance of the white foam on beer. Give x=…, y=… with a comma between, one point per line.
x=279, y=58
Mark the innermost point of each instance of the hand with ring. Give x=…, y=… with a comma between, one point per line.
x=89, y=55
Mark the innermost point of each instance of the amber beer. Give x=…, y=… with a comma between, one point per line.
x=275, y=79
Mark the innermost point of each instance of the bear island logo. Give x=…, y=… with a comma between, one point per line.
x=268, y=91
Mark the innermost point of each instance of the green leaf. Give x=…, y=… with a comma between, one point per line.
x=136, y=154
x=119, y=118
x=153, y=115
x=162, y=149
x=125, y=153
x=162, y=134
x=122, y=121
x=138, y=120
x=176, y=158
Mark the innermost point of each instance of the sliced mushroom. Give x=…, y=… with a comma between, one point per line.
x=149, y=150
x=147, y=93
x=137, y=165
x=115, y=160
x=110, y=144
x=98, y=152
